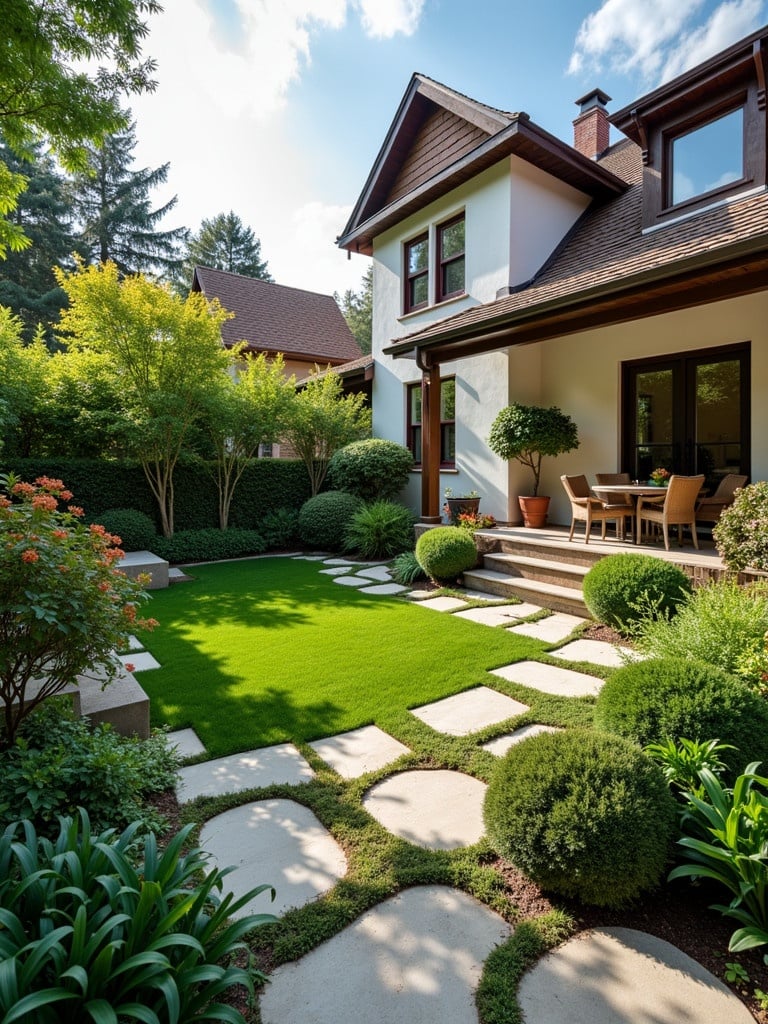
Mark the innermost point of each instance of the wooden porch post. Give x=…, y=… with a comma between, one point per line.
x=430, y=440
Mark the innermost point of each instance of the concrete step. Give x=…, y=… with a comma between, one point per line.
x=565, y=574
x=548, y=595
x=555, y=548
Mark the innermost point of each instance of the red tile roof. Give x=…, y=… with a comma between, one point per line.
x=275, y=318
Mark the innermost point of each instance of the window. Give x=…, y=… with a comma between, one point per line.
x=450, y=259
x=447, y=422
x=416, y=273
x=707, y=158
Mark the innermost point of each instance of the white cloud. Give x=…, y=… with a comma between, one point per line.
x=728, y=23
x=383, y=19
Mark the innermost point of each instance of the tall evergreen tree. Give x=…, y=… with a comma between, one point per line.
x=27, y=284
x=112, y=206
x=224, y=243
x=357, y=308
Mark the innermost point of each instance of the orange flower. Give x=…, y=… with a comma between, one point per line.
x=46, y=501
x=5, y=502
x=96, y=528
x=130, y=667
x=75, y=510
x=49, y=483
x=60, y=534
x=30, y=555
x=66, y=495
x=103, y=587
x=22, y=488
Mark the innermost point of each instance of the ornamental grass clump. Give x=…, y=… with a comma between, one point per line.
x=741, y=535
x=620, y=590
x=584, y=815
x=380, y=530
x=446, y=552
x=65, y=607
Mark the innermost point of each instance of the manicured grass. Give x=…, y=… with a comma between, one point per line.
x=267, y=650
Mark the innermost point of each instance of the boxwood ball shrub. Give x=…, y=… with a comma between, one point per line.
x=135, y=529
x=324, y=519
x=373, y=469
x=582, y=814
x=381, y=530
x=445, y=552
x=619, y=589
x=673, y=698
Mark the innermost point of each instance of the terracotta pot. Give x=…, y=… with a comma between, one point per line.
x=534, y=510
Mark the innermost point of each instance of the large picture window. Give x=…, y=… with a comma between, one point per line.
x=450, y=259
x=707, y=158
x=416, y=274
x=447, y=422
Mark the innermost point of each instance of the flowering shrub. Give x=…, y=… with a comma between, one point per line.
x=64, y=605
x=741, y=535
x=660, y=476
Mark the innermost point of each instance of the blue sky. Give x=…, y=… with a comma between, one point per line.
x=276, y=108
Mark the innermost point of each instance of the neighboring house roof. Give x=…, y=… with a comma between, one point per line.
x=356, y=369
x=440, y=139
x=275, y=318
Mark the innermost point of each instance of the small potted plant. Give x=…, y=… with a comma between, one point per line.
x=660, y=477
x=526, y=433
x=456, y=504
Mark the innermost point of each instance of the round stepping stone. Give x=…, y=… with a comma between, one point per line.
x=441, y=810
x=501, y=744
x=354, y=753
x=385, y=588
x=274, y=842
x=467, y=712
x=351, y=581
x=416, y=957
x=623, y=976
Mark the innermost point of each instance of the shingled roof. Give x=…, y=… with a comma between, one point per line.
x=275, y=318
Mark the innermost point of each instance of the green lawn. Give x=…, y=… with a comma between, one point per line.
x=259, y=652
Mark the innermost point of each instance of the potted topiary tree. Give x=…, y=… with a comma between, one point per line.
x=526, y=433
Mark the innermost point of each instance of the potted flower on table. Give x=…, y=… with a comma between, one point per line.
x=660, y=477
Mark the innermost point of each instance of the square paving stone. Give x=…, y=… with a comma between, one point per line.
x=469, y=711
x=499, y=615
x=385, y=588
x=550, y=679
x=442, y=604
x=141, y=661
x=134, y=644
x=501, y=744
x=362, y=750
x=552, y=629
x=264, y=767
x=186, y=742
x=598, y=652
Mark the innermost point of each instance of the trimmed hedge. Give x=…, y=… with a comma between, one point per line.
x=208, y=545
x=324, y=519
x=584, y=815
x=673, y=698
x=445, y=552
x=616, y=585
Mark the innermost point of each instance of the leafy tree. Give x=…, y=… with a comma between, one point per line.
x=357, y=308
x=112, y=206
x=224, y=243
x=27, y=285
x=85, y=416
x=24, y=387
x=323, y=419
x=62, y=67
x=167, y=356
x=244, y=414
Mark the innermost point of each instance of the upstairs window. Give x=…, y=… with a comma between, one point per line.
x=416, y=273
x=450, y=259
x=447, y=423
x=707, y=158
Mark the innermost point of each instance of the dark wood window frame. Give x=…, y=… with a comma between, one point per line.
x=445, y=261
x=409, y=277
x=412, y=427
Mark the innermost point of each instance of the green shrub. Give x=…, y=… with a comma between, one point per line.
x=59, y=764
x=621, y=589
x=380, y=530
x=670, y=698
x=324, y=519
x=280, y=528
x=406, y=569
x=209, y=545
x=741, y=535
x=95, y=930
x=135, y=529
x=445, y=552
x=721, y=623
x=373, y=469
x=581, y=814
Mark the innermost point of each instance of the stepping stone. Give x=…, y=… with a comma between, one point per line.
x=417, y=956
x=552, y=629
x=178, y=576
x=467, y=712
x=598, y=652
x=441, y=810
x=350, y=581
x=419, y=595
x=141, y=661
x=309, y=558
x=265, y=767
x=278, y=842
x=501, y=744
x=442, y=604
x=377, y=572
x=550, y=679
x=134, y=644
x=362, y=750
x=187, y=742
x=337, y=570
x=624, y=976
x=499, y=615
x=385, y=588
x=340, y=561
x=483, y=595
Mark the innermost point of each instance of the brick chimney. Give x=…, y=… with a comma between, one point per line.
x=591, y=128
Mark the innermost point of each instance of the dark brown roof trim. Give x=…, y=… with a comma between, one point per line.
x=289, y=356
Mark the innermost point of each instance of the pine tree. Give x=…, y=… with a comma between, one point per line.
x=357, y=308
x=224, y=243
x=116, y=220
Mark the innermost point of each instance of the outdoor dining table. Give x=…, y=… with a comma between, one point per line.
x=635, y=491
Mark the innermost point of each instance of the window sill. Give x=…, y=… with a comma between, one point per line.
x=670, y=218
x=435, y=305
x=448, y=470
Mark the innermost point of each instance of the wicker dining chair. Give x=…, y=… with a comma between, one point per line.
x=678, y=509
x=588, y=509
x=708, y=510
x=617, y=499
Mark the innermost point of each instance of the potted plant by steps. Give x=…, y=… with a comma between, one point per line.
x=455, y=505
x=526, y=433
